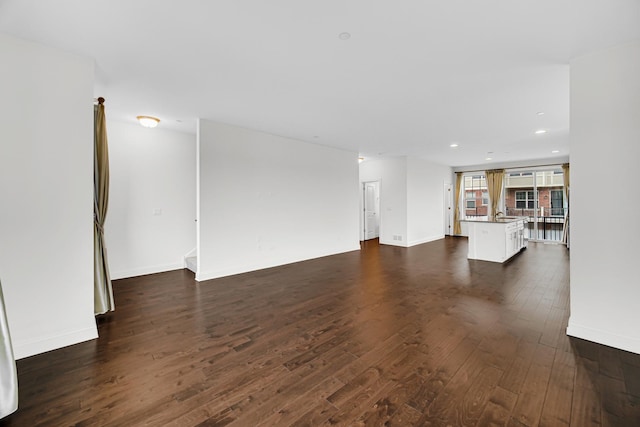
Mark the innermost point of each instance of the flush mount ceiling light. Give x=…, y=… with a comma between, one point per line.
x=148, y=121
x=555, y=151
x=540, y=131
x=360, y=159
x=344, y=36
x=454, y=145
x=540, y=113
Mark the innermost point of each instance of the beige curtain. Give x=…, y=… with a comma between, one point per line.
x=103, y=292
x=565, y=228
x=457, y=229
x=495, y=178
x=8, y=373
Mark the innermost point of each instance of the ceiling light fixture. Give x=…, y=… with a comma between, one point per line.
x=360, y=159
x=540, y=131
x=488, y=158
x=148, y=121
x=454, y=145
x=555, y=151
x=344, y=36
x=540, y=113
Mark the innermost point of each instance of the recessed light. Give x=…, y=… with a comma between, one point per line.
x=540, y=113
x=454, y=145
x=488, y=158
x=344, y=36
x=540, y=131
x=555, y=151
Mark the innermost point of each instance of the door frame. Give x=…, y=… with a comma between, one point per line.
x=448, y=208
x=362, y=221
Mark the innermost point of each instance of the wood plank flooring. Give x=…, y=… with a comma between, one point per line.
x=386, y=336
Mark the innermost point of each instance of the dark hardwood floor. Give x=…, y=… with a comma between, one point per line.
x=386, y=336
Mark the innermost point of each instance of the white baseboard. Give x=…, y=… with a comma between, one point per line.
x=141, y=271
x=603, y=337
x=246, y=268
x=411, y=243
x=425, y=240
x=44, y=344
x=392, y=243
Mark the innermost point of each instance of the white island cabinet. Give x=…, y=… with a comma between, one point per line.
x=495, y=240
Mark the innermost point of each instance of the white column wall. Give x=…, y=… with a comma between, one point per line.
x=46, y=191
x=392, y=174
x=150, y=224
x=266, y=200
x=425, y=200
x=605, y=148
x=411, y=199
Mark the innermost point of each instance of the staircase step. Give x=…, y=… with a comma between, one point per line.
x=192, y=263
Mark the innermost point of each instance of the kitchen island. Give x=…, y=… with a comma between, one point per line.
x=495, y=239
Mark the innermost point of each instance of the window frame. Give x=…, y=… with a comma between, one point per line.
x=530, y=197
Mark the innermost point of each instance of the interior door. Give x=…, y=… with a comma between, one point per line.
x=371, y=229
x=448, y=207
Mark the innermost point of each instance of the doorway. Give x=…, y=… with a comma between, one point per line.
x=371, y=210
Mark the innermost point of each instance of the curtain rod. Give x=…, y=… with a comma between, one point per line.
x=515, y=167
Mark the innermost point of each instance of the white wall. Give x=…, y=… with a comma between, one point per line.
x=605, y=148
x=392, y=175
x=411, y=198
x=150, y=223
x=425, y=200
x=46, y=189
x=265, y=200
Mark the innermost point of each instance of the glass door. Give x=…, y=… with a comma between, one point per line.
x=539, y=196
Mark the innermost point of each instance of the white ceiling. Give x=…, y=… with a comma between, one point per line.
x=414, y=77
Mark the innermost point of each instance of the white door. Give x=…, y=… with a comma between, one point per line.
x=448, y=210
x=371, y=224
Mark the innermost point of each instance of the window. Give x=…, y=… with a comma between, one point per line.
x=476, y=196
x=470, y=199
x=525, y=200
x=557, y=203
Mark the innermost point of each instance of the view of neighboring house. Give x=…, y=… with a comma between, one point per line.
x=537, y=195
